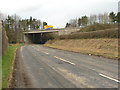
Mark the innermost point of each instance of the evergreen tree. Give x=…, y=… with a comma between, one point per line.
x=118, y=17
x=84, y=20
x=67, y=25
x=112, y=17
x=79, y=22
x=44, y=23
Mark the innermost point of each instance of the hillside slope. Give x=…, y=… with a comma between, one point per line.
x=100, y=47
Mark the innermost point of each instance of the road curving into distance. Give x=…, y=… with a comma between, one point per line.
x=43, y=67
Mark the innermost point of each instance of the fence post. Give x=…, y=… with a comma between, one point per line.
x=0, y=55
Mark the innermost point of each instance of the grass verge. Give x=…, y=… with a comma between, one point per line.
x=7, y=63
x=101, y=47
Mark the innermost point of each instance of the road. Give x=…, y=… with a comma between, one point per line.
x=41, y=67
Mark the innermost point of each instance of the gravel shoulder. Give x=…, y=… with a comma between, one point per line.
x=20, y=77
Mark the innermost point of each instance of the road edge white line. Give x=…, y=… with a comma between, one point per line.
x=64, y=60
x=109, y=78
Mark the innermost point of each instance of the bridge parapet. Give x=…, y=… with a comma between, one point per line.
x=40, y=31
x=59, y=31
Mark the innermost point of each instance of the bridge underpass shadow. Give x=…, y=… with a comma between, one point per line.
x=38, y=38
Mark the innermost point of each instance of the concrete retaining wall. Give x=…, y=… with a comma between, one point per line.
x=4, y=38
x=0, y=40
x=68, y=31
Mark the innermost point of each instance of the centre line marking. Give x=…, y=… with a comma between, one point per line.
x=45, y=52
x=64, y=60
x=53, y=68
x=110, y=78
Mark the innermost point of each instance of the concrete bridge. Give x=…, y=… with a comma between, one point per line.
x=37, y=36
x=40, y=31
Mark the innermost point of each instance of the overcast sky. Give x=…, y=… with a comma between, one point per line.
x=57, y=12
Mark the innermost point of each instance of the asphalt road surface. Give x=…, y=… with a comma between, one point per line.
x=42, y=67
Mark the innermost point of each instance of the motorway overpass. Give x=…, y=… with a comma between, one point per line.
x=37, y=36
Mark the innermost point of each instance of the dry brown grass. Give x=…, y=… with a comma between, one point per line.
x=100, y=47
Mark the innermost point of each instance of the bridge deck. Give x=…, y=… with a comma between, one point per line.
x=40, y=31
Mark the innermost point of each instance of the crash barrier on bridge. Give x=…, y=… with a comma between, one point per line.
x=3, y=39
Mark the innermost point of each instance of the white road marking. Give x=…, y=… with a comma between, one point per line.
x=22, y=56
x=64, y=60
x=41, y=68
x=21, y=49
x=53, y=68
x=110, y=78
x=45, y=52
x=93, y=69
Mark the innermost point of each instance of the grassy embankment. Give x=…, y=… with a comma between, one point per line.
x=7, y=64
x=100, y=47
x=94, y=39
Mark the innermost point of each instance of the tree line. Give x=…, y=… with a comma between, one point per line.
x=105, y=18
x=14, y=26
x=15, y=23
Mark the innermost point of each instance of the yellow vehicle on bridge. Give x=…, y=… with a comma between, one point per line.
x=48, y=27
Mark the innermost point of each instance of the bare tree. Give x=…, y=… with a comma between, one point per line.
x=73, y=22
x=106, y=18
x=101, y=18
x=92, y=19
x=2, y=16
x=16, y=19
